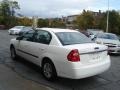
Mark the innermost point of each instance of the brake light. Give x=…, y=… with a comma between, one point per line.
x=73, y=56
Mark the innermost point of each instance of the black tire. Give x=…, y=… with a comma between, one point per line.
x=49, y=71
x=13, y=53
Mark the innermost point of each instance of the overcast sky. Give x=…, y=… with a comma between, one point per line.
x=58, y=8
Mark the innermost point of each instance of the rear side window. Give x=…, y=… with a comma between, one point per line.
x=43, y=37
x=69, y=38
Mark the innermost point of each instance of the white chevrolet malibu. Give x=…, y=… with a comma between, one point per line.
x=61, y=52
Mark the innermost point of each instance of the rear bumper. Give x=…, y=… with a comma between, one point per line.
x=88, y=70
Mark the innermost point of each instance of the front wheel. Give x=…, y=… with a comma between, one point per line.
x=49, y=71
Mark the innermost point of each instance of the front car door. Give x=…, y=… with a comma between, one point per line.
x=24, y=47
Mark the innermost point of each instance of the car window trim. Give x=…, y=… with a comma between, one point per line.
x=44, y=31
x=32, y=36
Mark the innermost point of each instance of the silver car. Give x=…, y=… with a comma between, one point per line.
x=110, y=40
x=15, y=30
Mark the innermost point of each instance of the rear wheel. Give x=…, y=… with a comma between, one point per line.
x=13, y=53
x=49, y=71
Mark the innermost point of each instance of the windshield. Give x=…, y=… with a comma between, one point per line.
x=108, y=36
x=27, y=28
x=18, y=27
x=69, y=38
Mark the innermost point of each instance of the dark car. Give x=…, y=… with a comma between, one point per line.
x=2, y=27
x=85, y=33
x=26, y=29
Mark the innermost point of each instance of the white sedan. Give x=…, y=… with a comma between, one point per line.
x=110, y=40
x=15, y=30
x=61, y=52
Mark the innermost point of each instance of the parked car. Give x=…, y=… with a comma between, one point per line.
x=94, y=32
x=86, y=33
x=61, y=52
x=15, y=30
x=2, y=27
x=110, y=40
x=119, y=37
x=24, y=30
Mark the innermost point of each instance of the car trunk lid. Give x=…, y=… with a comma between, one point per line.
x=90, y=53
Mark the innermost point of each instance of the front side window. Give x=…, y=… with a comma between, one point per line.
x=43, y=37
x=27, y=28
x=28, y=36
x=69, y=38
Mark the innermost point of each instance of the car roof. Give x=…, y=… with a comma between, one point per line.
x=56, y=30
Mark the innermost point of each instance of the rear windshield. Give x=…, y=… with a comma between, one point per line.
x=69, y=38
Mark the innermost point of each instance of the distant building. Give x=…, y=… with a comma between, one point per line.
x=96, y=13
x=72, y=18
x=69, y=21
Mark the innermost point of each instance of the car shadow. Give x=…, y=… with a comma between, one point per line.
x=32, y=72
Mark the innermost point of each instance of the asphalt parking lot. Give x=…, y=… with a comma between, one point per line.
x=22, y=75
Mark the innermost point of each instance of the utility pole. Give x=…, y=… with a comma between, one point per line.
x=107, y=26
x=35, y=22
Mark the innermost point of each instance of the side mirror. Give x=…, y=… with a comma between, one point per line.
x=19, y=38
x=94, y=37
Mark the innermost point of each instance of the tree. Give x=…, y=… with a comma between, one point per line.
x=103, y=21
x=24, y=21
x=13, y=6
x=114, y=22
x=1, y=20
x=57, y=23
x=85, y=20
x=43, y=22
x=7, y=11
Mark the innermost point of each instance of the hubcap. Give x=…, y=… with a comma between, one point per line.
x=47, y=70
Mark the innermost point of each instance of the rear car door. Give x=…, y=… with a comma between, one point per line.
x=41, y=43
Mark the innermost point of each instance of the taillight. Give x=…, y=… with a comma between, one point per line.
x=73, y=56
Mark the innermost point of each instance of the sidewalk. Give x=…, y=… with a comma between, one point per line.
x=9, y=80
